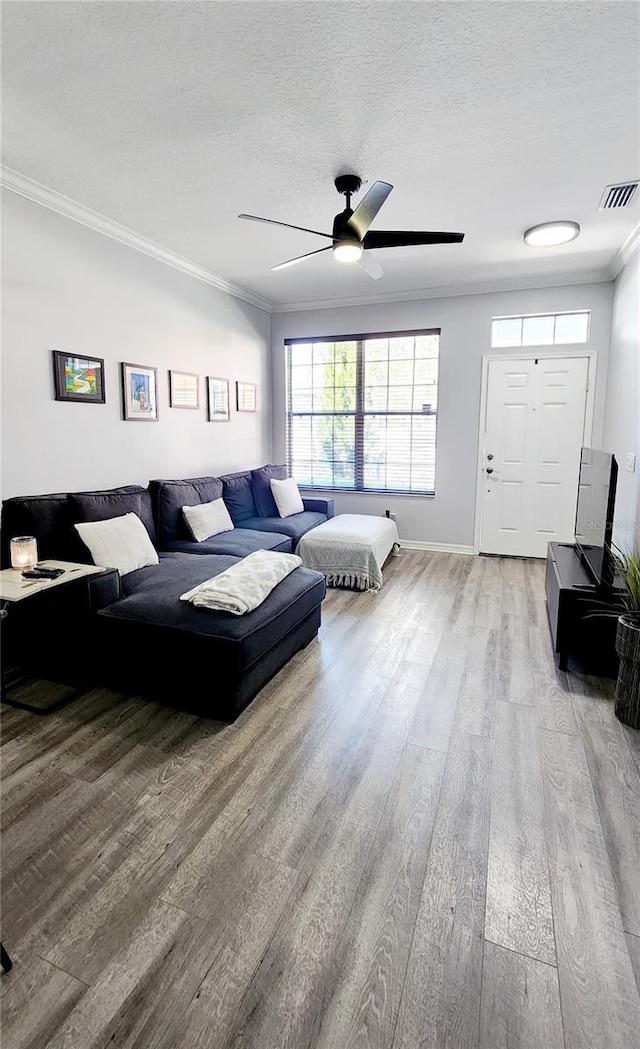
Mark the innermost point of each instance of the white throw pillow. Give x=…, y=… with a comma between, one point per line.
x=207, y=519
x=120, y=542
x=287, y=496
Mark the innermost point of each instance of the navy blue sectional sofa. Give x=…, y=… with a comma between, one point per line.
x=134, y=632
x=252, y=508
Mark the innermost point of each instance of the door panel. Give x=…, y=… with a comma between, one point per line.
x=515, y=432
x=552, y=426
x=511, y=496
x=547, y=508
x=517, y=380
x=535, y=414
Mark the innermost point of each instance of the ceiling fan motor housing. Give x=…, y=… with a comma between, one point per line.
x=348, y=184
x=339, y=223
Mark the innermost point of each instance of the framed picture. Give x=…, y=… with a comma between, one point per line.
x=246, y=396
x=78, y=378
x=184, y=390
x=218, y=397
x=140, y=393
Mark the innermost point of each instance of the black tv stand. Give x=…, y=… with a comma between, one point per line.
x=576, y=634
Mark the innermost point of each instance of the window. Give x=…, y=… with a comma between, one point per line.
x=548, y=329
x=362, y=412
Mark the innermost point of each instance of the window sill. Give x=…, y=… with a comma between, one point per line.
x=367, y=491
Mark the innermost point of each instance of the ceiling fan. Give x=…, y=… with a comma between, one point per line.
x=351, y=236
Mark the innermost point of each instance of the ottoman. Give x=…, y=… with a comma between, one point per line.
x=211, y=663
x=350, y=550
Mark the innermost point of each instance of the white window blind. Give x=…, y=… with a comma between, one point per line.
x=362, y=412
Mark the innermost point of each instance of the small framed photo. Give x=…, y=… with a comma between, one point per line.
x=246, y=396
x=184, y=390
x=78, y=378
x=218, y=397
x=139, y=393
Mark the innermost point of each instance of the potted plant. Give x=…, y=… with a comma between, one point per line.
x=628, y=640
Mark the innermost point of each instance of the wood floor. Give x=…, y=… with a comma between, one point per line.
x=420, y=835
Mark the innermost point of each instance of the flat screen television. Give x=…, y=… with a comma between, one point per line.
x=594, y=513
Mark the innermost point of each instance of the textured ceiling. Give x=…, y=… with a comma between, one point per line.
x=171, y=118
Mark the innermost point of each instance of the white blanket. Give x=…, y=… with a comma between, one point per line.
x=350, y=549
x=244, y=586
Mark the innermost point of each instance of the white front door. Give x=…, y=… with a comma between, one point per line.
x=535, y=420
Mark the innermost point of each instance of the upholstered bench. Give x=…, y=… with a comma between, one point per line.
x=350, y=549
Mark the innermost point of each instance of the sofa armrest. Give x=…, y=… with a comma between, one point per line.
x=320, y=506
x=104, y=589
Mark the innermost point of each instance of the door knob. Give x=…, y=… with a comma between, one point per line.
x=489, y=469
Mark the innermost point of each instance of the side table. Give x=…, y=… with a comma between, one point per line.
x=46, y=619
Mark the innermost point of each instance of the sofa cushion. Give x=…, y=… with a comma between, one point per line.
x=295, y=526
x=113, y=502
x=48, y=518
x=238, y=543
x=207, y=519
x=262, y=494
x=103, y=506
x=170, y=496
x=51, y=518
x=287, y=496
x=238, y=495
x=120, y=542
x=152, y=599
x=85, y=507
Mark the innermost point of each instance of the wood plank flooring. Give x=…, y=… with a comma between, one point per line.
x=420, y=835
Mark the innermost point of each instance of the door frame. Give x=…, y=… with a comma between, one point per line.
x=527, y=355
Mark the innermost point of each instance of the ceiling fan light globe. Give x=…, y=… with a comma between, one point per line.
x=347, y=251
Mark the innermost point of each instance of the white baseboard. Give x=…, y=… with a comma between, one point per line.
x=442, y=548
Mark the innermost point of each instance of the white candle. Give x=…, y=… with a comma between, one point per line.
x=24, y=552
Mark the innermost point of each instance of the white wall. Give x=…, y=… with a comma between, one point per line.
x=448, y=517
x=66, y=287
x=622, y=411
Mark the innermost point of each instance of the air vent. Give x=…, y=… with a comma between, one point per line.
x=619, y=196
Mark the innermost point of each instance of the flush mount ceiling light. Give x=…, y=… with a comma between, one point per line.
x=549, y=234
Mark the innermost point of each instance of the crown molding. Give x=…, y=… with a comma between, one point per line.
x=70, y=209
x=627, y=251
x=448, y=291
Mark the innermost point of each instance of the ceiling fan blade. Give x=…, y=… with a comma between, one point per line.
x=402, y=239
x=274, y=222
x=368, y=208
x=300, y=258
x=370, y=266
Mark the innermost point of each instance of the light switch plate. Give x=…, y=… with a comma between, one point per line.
x=631, y=462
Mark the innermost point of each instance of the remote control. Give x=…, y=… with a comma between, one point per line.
x=43, y=573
